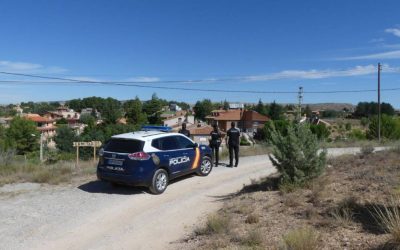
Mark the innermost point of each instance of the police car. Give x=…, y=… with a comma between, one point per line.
x=152, y=157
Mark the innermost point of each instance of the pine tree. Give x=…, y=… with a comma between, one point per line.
x=296, y=155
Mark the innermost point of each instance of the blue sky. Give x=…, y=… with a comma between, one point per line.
x=268, y=45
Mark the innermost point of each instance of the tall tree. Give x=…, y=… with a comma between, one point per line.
x=111, y=111
x=226, y=105
x=260, y=108
x=22, y=135
x=275, y=111
x=153, y=106
x=65, y=138
x=368, y=109
x=134, y=111
x=308, y=111
x=203, y=108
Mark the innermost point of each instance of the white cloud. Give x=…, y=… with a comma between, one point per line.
x=29, y=68
x=393, y=31
x=320, y=74
x=143, y=79
x=395, y=54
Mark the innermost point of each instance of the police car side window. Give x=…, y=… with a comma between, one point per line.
x=168, y=143
x=156, y=144
x=184, y=143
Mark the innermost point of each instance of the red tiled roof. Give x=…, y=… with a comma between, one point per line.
x=231, y=115
x=250, y=115
x=237, y=115
x=205, y=130
x=37, y=118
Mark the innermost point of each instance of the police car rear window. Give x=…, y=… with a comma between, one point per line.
x=124, y=146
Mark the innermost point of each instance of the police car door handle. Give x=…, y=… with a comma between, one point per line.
x=166, y=155
x=185, y=153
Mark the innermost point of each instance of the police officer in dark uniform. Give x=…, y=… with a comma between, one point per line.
x=215, y=142
x=233, y=143
x=184, y=131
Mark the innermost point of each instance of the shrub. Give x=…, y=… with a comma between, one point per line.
x=252, y=218
x=302, y=239
x=320, y=130
x=6, y=156
x=357, y=134
x=215, y=224
x=390, y=128
x=244, y=142
x=22, y=135
x=278, y=125
x=348, y=126
x=388, y=218
x=344, y=212
x=364, y=121
x=296, y=155
x=254, y=238
x=64, y=139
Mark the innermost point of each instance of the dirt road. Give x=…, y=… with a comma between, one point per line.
x=96, y=215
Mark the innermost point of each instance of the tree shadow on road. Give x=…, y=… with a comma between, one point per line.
x=108, y=188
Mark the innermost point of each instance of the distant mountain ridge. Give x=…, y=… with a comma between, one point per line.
x=331, y=106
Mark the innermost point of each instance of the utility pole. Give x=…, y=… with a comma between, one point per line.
x=41, y=147
x=379, y=101
x=300, y=100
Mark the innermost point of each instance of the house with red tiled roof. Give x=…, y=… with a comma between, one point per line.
x=201, y=134
x=44, y=124
x=245, y=120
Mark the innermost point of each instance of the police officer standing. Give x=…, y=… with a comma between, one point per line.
x=234, y=135
x=215, y=142
x=184, y=131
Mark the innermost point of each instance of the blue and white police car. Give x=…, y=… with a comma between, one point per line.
x=151, y=158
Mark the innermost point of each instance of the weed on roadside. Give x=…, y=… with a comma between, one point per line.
x=388, y=217
x=215, y=224
x=302, y=239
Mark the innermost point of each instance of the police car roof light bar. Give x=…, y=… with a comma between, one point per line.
x=156, y=128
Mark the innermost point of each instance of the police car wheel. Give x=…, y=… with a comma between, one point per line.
x=159, y=182
x=206, y=166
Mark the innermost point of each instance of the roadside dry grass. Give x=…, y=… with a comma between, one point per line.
x=339, y=210
x=60, y=172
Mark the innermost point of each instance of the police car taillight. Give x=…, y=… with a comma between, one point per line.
x=139, y=156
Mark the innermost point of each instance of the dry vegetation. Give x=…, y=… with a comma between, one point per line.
x=350, y=207
x=60, y=172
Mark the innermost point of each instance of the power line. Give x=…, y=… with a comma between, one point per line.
x=138, y=85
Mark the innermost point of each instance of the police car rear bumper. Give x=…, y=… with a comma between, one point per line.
x=130, y=180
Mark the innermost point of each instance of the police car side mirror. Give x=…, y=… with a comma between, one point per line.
x=195, y=145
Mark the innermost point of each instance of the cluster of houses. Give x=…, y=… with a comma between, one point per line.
x=47, y=123
x=172, y=116
x=246, y=120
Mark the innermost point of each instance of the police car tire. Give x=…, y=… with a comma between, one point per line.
x=205, y=158
x=153, y=188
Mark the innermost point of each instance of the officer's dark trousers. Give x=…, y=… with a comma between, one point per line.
x=233, y=148
x=215, y=152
